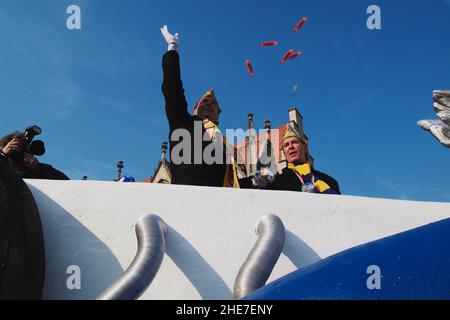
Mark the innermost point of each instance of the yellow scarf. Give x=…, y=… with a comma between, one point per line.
x=305, y=169
x=230, y=179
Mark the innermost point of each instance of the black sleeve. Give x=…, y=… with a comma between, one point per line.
x=46, y=171
x=334, y=185
x=3, y=157
x=246, y=183
x=276, y=185
x=172, y=88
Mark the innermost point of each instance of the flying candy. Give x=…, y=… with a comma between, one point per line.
x=249, y=67
x=286, y=56
x=268, y=43
x=294, y=55
x=300, y=24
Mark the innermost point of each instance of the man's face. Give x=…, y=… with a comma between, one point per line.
x=207, y=108
x=294, y=150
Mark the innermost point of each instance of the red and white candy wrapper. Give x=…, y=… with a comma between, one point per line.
x=294, y=55
x=286, y=56
x=249, y=67
x=268, y=43
x=300, y=24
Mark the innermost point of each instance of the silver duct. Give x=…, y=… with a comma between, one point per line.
x=262, y=259
x=150, y=231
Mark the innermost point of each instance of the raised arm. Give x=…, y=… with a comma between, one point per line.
x=172, y=86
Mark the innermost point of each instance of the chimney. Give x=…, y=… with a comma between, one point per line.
x=297, y=118
x=250, y=146
x=163, y=151
x=119, y=170
x=250, y=120
x=268, y=127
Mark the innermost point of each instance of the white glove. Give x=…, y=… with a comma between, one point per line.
x=263, y=177
x=172, y=40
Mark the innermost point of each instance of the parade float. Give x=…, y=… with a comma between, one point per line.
x=108, y=240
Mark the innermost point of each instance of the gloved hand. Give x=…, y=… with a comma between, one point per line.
x=263, y=177
x=172, y=40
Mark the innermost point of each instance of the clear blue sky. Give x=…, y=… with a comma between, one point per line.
x=97, y=92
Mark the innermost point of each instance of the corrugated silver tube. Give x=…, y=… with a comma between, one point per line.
x=262, y=259
x=150, y=231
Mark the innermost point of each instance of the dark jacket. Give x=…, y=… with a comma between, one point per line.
x=201, y=174
x=288, y=181
x=44, y=171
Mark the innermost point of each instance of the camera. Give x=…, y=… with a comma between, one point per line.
x=35, y=147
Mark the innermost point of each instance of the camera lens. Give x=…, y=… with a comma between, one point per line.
x=37, y=148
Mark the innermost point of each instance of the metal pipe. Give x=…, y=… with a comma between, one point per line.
x=150, y=231
x=262, y=259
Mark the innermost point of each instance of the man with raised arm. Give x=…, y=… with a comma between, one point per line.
x=188, y=163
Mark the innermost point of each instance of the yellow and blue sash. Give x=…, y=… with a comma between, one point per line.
x=307, y=178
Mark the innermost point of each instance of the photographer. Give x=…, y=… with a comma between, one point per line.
x=19, y=152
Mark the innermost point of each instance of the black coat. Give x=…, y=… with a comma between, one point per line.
x=288, y=181
x=201, y=174
x=43, y=171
